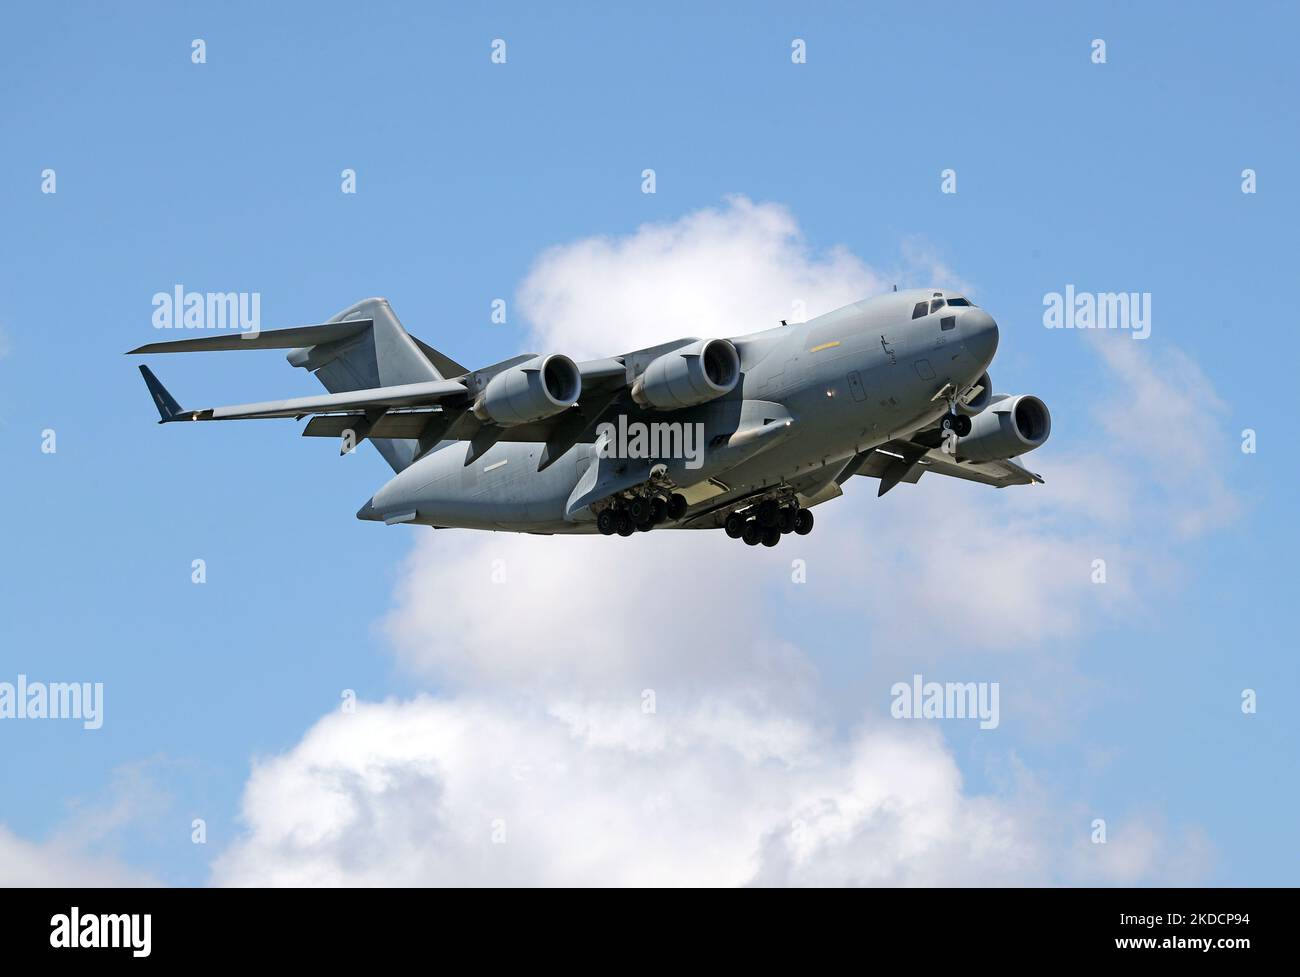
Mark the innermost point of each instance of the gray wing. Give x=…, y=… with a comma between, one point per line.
x=907, y=459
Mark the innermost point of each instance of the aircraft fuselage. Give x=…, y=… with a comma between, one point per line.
x=837, y=385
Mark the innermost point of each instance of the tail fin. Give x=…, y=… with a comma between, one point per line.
x=167, y=406
x=380, y=355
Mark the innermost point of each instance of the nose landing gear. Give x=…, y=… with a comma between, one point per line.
x=954, y=424
x=958, y=424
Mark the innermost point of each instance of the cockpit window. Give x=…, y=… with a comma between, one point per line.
x=958, y=300
x=936, y=305
x=920, y=310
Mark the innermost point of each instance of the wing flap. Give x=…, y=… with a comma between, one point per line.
x=401, y=424
x=999, y=474
x=887, y=461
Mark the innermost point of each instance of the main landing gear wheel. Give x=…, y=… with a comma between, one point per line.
x=803, y=522
x=607, y=522
x=624, y=525
x=768, y=513
x=639, y=509
x=771, y=536
x=785, y=521
x=753, y=533
x=658, y=510
x=735, y=525
x=677, y=506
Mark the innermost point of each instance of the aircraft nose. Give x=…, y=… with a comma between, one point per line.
x=979, y=335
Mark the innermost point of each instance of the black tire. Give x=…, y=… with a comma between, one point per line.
x=785, y=521
x=963, y=426
x=771, y=536
x=735, y=525
x=607, y=522
x=753, y=534
x=803, y=522
x=768, y=513
x=639, y=509
x=677, y=506
x=658, y=510
x=625, y=527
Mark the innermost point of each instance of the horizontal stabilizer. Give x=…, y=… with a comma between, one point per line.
x=402, y=395
x=271, y=339
x=423, y=394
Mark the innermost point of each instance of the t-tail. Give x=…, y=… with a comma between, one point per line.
x=363, y=348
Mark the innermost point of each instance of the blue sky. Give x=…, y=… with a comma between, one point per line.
x=225, y=176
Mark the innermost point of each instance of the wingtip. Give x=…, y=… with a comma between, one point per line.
x=168, y=408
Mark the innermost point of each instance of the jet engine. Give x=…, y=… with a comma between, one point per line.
x=695, y=374
x=539, y=388
x=1009, y=426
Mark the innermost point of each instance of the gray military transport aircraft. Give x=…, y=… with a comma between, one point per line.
x=743, y=434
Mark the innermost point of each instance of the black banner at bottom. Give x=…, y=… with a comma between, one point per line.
x=141, y=927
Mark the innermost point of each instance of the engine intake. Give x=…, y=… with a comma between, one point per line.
x=1009, y=426
x=695, y=374
x=529, y=392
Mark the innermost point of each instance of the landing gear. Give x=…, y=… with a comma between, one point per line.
x=658, y=510
x=735, y=525
x=803, y=522
x=607, y=522
x=677, y=506
x=767, y=522
x=639, y=509
x=640, y=513
x=958, y=424
x=768, y=514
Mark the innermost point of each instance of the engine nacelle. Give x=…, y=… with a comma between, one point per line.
x=694, y=374
x=1007, y=427
x=981, y=400
x=529, y=392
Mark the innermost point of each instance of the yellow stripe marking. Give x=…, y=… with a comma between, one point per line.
x=830, y=345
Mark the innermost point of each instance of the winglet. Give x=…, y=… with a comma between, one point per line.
x=168, y=409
